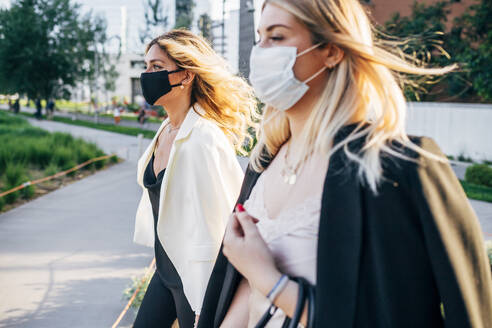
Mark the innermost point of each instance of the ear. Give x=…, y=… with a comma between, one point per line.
x=333, y=55
x=189, y=77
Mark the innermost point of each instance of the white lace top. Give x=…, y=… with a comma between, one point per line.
x=292, y=238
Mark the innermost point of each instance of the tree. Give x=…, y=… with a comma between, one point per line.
x=472, y=36
x=205, y=26
x=420, y=37
x=184, y=13
x=46, y=47
x=155, y=21
x=468, y=43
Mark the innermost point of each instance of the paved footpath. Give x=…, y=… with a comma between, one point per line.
x=66, y=257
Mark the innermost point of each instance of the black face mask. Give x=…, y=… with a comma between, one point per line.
x=156, y=84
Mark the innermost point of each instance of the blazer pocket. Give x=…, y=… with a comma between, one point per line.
x=203, y=252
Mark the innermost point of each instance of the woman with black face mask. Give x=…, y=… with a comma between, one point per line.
x=189, y=173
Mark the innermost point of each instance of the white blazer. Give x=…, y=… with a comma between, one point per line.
x=199, y=189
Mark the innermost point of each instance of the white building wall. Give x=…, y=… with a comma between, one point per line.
x=232, y=40
x=459, y=129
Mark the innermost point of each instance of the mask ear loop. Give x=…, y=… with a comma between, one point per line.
x=176, y=71
x=305, y=52
x=315, y=75
x=308, y=50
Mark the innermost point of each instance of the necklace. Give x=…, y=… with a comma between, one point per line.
x=171, y=129
x=289, y=172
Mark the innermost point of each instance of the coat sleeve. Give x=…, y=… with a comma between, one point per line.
x=454, y=242
x=216, y=188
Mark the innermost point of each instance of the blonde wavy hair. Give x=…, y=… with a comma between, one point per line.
x=366, y=83
x=227, y=99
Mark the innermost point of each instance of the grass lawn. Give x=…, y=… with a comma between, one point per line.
x=100, y=126
x=477, y=192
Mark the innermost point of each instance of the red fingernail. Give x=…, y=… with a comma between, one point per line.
x=240, y=208
x=255, y=220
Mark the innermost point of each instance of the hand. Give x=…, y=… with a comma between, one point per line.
x=248, y=253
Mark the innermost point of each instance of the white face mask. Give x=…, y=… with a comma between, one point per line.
x=273, y=79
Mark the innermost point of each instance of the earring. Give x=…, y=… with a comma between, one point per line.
x=182, y=87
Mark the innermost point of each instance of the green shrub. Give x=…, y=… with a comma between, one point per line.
x=11, y=119
x=84, y=152
x=12, y=197
x=62, y=139
x=14, y=174
x=68, y=166
x=488, y=247
x=2, y=203
x=100, y=164
x=62, y=156
x=479, y=174
x=142, y=283
x=5, y=157
x=463, y=158
x=113, y=159
x=51, y=169
x=27, y=192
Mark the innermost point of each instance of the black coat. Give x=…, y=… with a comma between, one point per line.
x=387, y=260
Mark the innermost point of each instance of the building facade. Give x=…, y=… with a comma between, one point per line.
x=382, y=10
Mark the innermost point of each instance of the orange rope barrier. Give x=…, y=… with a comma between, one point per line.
x=122, y=314
x=59, y=174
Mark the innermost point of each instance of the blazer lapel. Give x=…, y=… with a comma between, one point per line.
x=232, y=276
x=184, y=131
x=339, y=245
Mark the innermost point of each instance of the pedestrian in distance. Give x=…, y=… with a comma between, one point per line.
x=344, y=221
x=141, y=116
x=117, y=115
x=39, y=107
x=16, y=106
x=50, y=108
x=189, y=173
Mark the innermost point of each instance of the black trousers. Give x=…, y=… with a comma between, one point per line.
x=161, y=305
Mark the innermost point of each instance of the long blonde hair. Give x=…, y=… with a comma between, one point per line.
x=228, y=100
x=367, y=81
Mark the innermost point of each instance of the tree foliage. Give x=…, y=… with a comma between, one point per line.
x=46, y=47
x=184, y=13
x=468, y=43
x=205, y=26
x=472, y=35
x=156, y=22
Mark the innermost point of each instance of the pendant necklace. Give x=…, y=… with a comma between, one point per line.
x=289, y=172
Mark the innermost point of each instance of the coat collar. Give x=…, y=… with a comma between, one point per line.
x=194, y=114
x=343, y=133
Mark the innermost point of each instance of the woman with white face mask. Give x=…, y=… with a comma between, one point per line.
x=338, y=194
x=189, y=174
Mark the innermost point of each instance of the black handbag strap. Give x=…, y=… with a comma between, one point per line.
x=311, y=304
x=301, y=300
x=266, y=316
x=305, y=294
